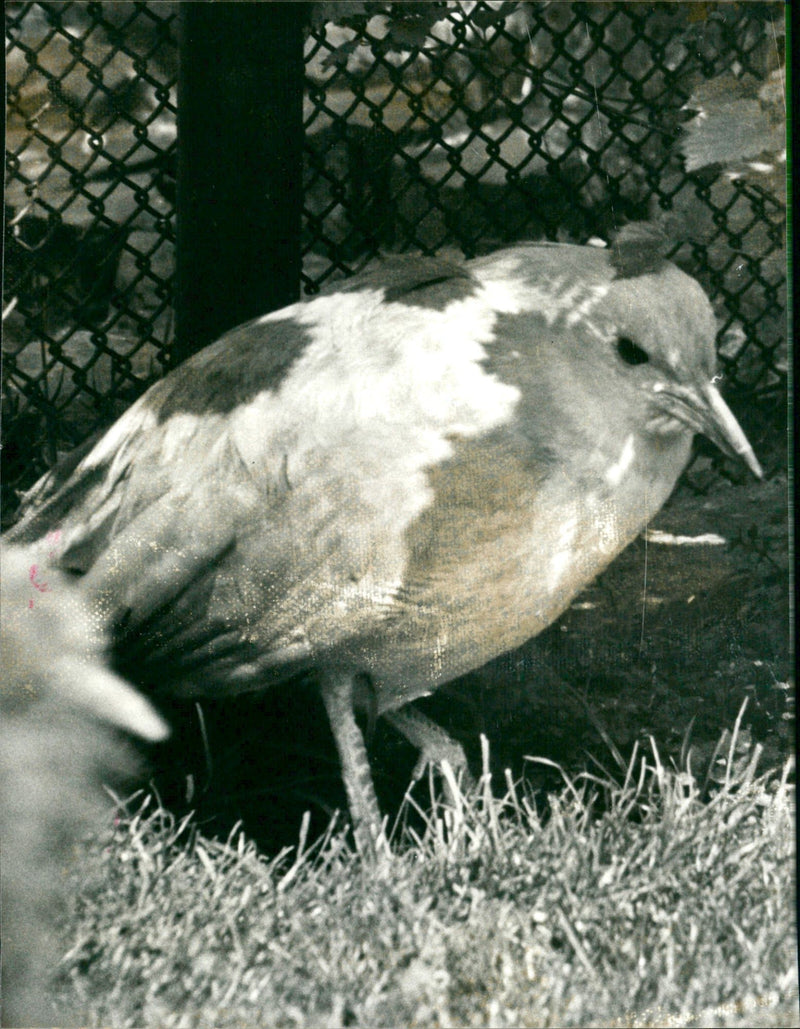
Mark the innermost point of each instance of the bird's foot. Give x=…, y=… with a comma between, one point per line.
x=437, y=750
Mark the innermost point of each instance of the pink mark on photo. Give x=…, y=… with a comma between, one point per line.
x=42, y=587
x=53, y=538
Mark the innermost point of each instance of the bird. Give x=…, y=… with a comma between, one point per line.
x=60, y=707
x=390, y=483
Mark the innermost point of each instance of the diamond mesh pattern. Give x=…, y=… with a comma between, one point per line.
x=509, y=121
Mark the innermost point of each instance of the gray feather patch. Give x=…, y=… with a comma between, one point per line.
x=640, y=248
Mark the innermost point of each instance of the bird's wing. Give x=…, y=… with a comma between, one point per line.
x=152, y=512
x=264, y=490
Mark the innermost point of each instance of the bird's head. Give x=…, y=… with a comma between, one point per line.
x=664, y=333
x=626, y=355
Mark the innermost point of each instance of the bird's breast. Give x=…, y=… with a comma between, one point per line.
x=500, y=554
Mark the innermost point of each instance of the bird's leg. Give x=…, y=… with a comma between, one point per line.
x=337, y=695
x=433, y=743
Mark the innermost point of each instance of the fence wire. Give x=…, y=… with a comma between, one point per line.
x=428, y=126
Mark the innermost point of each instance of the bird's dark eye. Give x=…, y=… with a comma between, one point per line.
x=630, y=352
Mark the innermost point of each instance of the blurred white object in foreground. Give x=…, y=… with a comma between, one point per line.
x=58, y=704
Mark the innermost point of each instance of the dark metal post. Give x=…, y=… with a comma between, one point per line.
x=240, y=136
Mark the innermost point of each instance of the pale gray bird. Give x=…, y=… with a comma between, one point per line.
x=393, y=482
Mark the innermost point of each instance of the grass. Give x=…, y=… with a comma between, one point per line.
x=653, y=900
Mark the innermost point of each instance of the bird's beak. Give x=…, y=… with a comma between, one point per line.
x=706, y=412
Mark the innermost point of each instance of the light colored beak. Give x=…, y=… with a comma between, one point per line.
x=706, y=412
x=723, y=429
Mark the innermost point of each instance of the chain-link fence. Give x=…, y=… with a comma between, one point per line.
x=89, y=219
x=428, y=126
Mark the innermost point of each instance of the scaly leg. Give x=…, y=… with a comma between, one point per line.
x=337, y=695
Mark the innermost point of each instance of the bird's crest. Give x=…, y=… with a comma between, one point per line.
x=639, y=248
